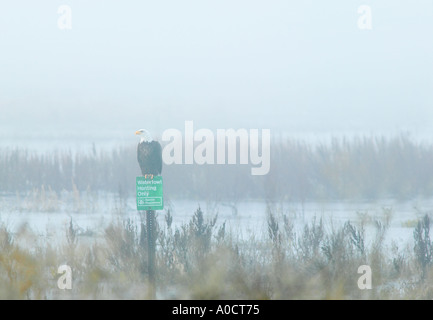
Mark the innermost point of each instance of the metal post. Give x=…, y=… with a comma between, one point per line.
x=150, y=222
x=149, y=199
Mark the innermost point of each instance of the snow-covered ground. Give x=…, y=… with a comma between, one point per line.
x=91, y=214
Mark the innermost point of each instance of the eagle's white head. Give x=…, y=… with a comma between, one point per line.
x=144, y=135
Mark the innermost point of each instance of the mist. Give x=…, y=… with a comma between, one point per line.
x=331, y=103
x=287, y=66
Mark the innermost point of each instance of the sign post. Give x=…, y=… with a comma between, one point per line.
x=150, y=198
x=149, y=193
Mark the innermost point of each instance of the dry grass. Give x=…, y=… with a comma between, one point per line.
x=201, y=260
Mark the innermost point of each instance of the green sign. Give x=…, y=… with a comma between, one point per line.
x=149, y=193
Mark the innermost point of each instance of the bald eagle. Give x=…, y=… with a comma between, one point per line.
x=149, y=154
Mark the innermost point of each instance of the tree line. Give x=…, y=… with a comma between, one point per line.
x=361, y=168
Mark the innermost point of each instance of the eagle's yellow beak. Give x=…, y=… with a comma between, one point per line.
x=137, y=132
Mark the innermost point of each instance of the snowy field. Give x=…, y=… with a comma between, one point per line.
x=244, y=219
x=92, y=212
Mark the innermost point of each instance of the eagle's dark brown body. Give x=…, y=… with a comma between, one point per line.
x=149, y=156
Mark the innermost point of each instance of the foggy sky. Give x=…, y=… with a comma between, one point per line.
x=292, y=66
